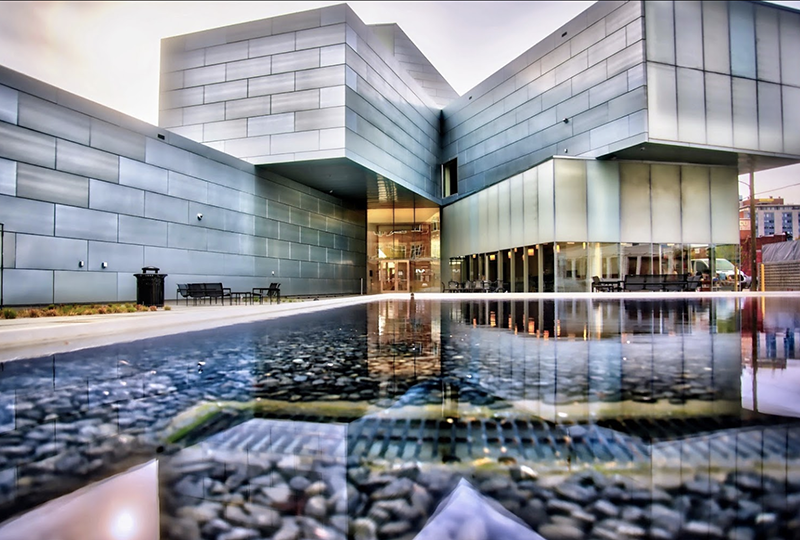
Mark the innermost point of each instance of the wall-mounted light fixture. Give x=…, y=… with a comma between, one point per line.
x=199, y=217
x=81, y=264
x=103, y=264
x=273, y=272
x=566, y=120
x=530, y=251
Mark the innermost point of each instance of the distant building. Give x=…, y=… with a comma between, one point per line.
x=773, y=218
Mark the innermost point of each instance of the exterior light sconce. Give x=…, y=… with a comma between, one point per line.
x=509, y=254
x=566, y=120
x=273, y=272
x=103, y=264
x=199, y=217
x=491, y=257
x=530, y=252
x=81, y=264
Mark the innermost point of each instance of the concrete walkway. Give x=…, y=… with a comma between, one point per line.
x=31, y=338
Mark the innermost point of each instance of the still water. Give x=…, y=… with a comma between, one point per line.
x=556, y=419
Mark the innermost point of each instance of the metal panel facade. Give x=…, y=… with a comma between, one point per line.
x=298, y=73
x=72, y=202
x=570, y=80
x=741, y=57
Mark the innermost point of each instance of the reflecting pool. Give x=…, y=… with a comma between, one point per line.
x=402, y=419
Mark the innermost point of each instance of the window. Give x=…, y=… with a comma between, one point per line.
x=769, y=223
x=787, y=225
x=450, y=178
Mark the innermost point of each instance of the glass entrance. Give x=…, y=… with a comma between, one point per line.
x=394, y=276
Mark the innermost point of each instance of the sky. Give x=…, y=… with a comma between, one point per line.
x=109, y=52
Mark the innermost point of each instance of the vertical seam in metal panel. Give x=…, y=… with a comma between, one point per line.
x=677, y=97
x=780, y=84
x=730, y=71
x=703, y=71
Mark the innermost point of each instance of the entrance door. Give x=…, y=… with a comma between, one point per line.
x=394, y=276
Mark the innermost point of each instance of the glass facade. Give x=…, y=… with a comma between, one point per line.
x=582, y=219
x=403, y=246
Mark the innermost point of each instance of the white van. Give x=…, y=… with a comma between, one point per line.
x=725, y=268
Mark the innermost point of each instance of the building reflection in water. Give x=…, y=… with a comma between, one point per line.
x=575, y=359
x=404, y=341
x=771, y=369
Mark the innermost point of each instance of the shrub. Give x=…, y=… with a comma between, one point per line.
x=167, y=308
x=9, y=313
x=153, y=308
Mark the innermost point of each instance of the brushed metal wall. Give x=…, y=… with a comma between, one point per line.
x=723, y=74
x=312, y=85
x=88, y=197
x=581, y=91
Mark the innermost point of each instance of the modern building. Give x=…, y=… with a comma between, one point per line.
x=773, y=217
x=330, y=155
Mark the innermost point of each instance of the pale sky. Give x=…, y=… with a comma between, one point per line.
x=109, y=52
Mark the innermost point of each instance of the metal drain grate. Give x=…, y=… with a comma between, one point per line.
x=523, y=440
x=538, y=441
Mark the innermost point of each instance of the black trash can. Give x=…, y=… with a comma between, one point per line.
x=150, y=287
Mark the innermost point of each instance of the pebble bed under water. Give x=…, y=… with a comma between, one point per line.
x=643, y=421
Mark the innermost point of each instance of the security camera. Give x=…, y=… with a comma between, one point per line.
x=199, y=217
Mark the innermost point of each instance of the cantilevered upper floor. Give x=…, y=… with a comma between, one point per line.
x=317, y=95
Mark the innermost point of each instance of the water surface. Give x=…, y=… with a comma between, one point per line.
x=634, y=418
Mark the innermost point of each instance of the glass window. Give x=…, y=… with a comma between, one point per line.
x=404, y=247
x=769, y=223
x=571, y=267
x=450, y=178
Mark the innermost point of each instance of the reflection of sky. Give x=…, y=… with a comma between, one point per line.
x=123, y=507
x=776, y=391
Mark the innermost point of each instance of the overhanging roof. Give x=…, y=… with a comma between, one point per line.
x=346, y=179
